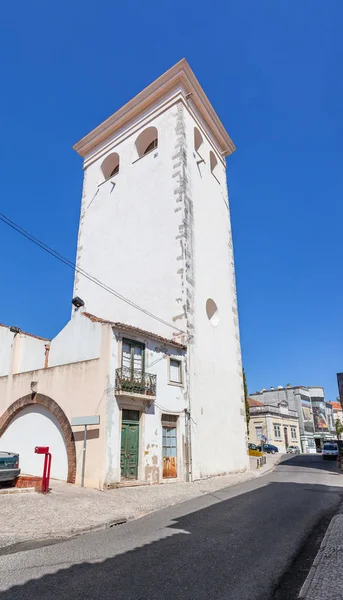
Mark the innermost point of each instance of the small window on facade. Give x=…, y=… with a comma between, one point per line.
x=110, y=166
x=175, y=370
x=198, y=139
x=258, y=431
x=293, y=433
x=147, y=141
x=277, y=430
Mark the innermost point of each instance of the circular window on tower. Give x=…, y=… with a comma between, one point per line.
x=212, y=312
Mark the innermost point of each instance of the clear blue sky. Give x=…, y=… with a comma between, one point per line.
x=272, y=70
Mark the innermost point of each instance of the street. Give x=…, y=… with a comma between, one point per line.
x=234, y=544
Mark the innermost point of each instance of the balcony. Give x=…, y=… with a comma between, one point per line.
x=135, y=383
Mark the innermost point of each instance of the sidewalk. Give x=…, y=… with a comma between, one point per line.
x=70, y=510
x=325, y=579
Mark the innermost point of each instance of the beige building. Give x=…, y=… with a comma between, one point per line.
x=278, y=424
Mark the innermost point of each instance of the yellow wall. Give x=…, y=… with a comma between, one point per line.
x=267, y=423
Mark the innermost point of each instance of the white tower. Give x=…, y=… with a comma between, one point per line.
x=155, y=226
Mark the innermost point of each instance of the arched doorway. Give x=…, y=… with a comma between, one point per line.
x=34, y=420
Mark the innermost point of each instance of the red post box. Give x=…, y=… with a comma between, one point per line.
x=47, y=467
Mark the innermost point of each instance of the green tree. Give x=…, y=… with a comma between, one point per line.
x=247, y=413
x=339, y=428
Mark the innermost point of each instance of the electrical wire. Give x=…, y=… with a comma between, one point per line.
x=25, y=233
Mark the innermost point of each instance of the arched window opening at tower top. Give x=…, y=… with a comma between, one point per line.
x=110, y=166
x=147, y=141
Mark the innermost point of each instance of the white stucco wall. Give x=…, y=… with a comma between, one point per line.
x=161, y=236
x=217, y=399
x=20, y=352
x=169, y=399
x=128, y=232
x=79, y=340
x=36, y=426
x=30, y=354
x=6, y=338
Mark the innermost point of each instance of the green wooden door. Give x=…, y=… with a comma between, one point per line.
x=129, y=444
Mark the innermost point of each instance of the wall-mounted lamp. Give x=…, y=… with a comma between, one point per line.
x=15, y=329
x=77, y=302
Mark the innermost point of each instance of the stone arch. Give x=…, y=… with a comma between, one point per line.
x=55, y=409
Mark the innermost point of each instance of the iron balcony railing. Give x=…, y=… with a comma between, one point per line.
x=135, y=382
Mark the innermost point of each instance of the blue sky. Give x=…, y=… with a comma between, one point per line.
x=273, y=71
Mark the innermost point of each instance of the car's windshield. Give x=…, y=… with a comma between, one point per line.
x=330, y=446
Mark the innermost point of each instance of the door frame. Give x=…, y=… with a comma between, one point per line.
x=128, y=422
x=137, y=406
x=179, y=451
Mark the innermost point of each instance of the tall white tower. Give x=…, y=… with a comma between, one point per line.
x=155, y=226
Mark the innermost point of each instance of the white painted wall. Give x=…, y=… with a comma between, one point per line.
x=316, y=392
x=135, y=237
x=31, y=354
x=36, y=426
x=79, y=340
x=128, y=233
x=6, y=338
x=169, y=399
x=217, y=399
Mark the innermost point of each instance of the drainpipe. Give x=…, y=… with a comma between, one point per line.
x=188, y=425
x=188, y=445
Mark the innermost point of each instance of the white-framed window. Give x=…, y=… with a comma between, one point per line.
x=175, y=371
x=293, y=432
x=277, y=431
x=258, y=432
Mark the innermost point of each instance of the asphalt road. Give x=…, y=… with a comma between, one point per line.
x=235, y=544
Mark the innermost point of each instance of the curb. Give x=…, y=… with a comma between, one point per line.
x=268, y=469
x=316, y=563
x=60, y=534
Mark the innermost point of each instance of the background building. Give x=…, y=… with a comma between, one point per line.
x=298, y=399
x=322, y=413
x=337, y=411
x=340, y=387
x=316, y=416
x=278, y=424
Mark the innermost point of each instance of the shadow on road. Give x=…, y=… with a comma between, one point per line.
x=236, y=549
x=311, y=461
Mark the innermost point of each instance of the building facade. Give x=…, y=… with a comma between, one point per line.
x=316, y=418
x=155, y=225
x=299, y=400
x=278, y=424
x=154, y=350
x=337, y=411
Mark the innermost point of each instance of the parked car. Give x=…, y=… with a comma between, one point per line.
x=252, y=447
x=293, y=450
x=9, y=466
x=330, y=450
x=269, y=448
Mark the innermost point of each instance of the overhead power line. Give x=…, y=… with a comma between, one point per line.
x=77, y=269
